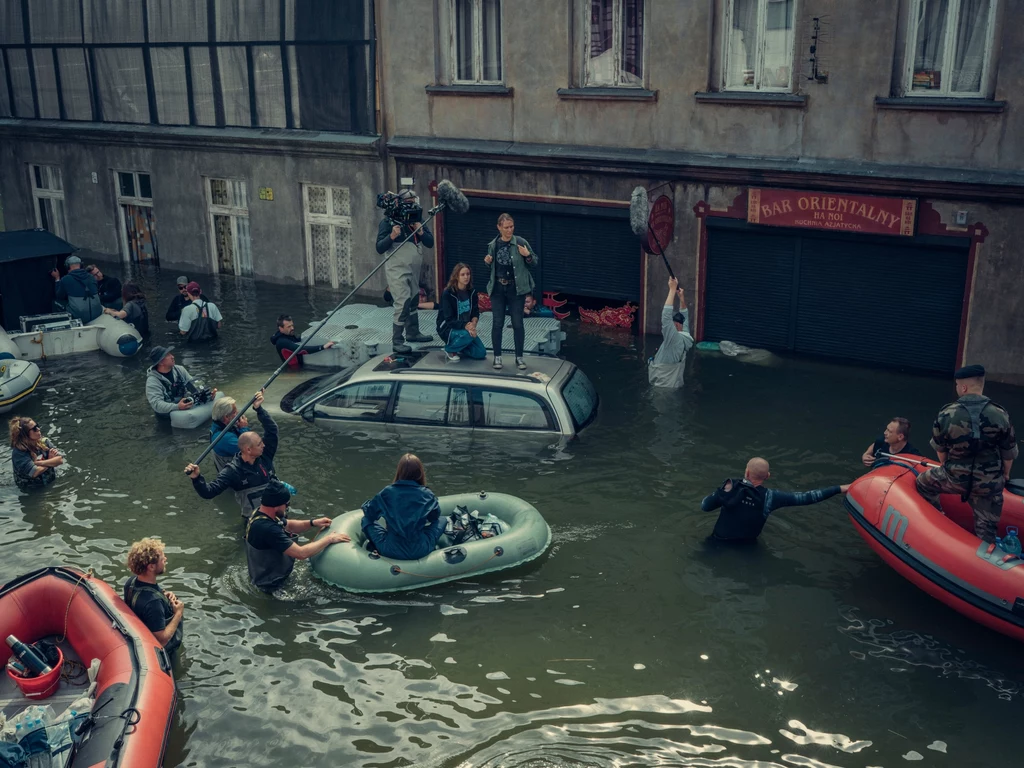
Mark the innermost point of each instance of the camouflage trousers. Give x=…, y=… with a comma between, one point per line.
x=986, y=499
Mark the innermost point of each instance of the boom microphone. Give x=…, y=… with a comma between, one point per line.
x=450, y=197
x=639, y=211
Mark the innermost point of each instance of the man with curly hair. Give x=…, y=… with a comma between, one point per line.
x=159, y=610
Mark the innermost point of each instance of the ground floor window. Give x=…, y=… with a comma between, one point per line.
x=230, y=245
x=48, y=199
x=328, y=235
x=135, y=214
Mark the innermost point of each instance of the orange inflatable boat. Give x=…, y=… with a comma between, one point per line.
x=135, y=693
x=940, y=553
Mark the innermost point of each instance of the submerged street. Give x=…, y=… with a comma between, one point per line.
x=633, y=641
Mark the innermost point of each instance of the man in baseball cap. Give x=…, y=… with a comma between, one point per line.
x=179, y=302
x=77, y=292
x=201, y=319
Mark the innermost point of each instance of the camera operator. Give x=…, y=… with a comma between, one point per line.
x=402, y=215
x=169, y=387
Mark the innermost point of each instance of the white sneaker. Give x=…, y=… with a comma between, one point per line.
x=520, y=364
x=497, y=361
x=451, y=357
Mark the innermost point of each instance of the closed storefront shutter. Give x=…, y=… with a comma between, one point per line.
x=584, y=251
x=866, y=299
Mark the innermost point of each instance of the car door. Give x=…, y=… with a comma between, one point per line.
x=362, y=402
x=437, y=415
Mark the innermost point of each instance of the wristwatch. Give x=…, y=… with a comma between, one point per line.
x=312, y=524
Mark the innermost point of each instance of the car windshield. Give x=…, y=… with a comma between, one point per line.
x=581, y=397
x=322, y=385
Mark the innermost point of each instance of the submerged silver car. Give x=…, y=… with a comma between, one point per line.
x=551, y=396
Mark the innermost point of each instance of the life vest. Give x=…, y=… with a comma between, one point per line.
x=268, y=568
x=203, y=328
x=742, y=515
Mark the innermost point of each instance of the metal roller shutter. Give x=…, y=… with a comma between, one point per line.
x=749, y=288
x=466, y=238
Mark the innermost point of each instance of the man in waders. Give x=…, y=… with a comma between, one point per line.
x=976, y=446
x=270, y=547
x=249, y=472
x=169, y=387
x=200, y=319
x=746, y=504
x=159, y=610
x=403, y=274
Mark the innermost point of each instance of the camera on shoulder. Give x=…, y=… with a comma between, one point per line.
x=400, y=208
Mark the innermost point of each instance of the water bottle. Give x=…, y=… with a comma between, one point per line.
x=1010, y=542
x=291, y=488
x=28, y=657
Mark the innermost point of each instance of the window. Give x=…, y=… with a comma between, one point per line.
x=135, y=209
x=432, y=404
x=229, y=226
x=476, y=29
x=365, y=402
x=615, y=44
x=951, y=42
x=48, y=199
x=759, y=45
x=328, y=235
x=509, y=410
x=581, y=397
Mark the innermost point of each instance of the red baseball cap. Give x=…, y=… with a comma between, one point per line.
x=193, y=287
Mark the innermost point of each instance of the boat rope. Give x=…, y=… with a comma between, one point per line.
x=67, y=611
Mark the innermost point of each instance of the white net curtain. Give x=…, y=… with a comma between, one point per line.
x=236, y=53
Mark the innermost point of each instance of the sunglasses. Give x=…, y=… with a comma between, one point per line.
x=33, y=429
x=181, y=288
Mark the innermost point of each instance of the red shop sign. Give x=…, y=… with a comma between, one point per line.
x=662, y=220
x=827, y=210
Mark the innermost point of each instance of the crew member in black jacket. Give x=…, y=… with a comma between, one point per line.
x=285, y=342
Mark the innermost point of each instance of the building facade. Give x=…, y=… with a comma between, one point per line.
x=839, y=179
x=232, y=136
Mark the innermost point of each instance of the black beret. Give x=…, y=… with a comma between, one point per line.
x=970, y=372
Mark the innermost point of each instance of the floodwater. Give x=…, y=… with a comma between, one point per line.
x=632, y=642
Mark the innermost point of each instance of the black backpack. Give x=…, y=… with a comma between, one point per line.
x=203, y=328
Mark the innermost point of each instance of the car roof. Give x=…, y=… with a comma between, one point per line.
x=432, y=362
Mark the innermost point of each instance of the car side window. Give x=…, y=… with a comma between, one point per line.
x=432, y=404
x=364, y=402
x=511, y=410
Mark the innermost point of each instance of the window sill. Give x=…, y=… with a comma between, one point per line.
x=752, y=99
x=608, y=94
x=940, y=104
x=469, y=89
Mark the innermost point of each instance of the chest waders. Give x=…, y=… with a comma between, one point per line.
x=268, y=568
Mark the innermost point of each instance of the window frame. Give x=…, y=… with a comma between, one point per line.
x=41, y=193
x=332, y=222
x=762, y=27
x=446, y=422
x=385, y=413
x=478, y=43
x=617, y=11
x=122, y=200
x=479, y=420
x=234, y=213
x=948, y=53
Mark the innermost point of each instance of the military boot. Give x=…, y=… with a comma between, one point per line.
x=412, y=329
x=398, y=341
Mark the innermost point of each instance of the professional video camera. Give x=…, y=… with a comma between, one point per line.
x=399, y=209
x=200, y=394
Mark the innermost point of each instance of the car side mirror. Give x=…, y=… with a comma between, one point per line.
x=308, y=414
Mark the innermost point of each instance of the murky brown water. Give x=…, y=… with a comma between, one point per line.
x=632, y=642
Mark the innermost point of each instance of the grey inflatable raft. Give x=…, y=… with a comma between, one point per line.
x=350, y=566
x=18, y=379
x=196, y=416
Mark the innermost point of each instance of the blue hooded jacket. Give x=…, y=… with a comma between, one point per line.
x=413, y=517
x=79, y=291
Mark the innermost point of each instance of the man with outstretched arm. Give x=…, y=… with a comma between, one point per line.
x=746, y=504
x=286, y=342
x=668, y=365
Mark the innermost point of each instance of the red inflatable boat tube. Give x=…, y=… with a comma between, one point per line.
x=135, y=693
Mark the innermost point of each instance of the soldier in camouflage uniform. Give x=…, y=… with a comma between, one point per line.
x=976, y=446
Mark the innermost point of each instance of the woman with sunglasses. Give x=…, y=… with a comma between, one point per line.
x=33, y=457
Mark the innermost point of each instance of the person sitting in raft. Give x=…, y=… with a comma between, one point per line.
x=224, y=411
x=411, y=512
x=108, y=286
x=457, y=320
x=159, y=610
x=895, y=439
x=746, y=504
x=169, y=387
x=270, y=547
x=77, y=291
x=285, y=342
x=32, y=455
x=200, y=319
x=249, y=472
x=667, y=367
x=134, y=309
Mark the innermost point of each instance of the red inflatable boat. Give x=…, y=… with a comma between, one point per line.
x=135, y=693
x=940, y=553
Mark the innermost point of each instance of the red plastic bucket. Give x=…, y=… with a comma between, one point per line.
x=40, y=687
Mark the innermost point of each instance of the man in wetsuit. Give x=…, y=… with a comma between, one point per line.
x=285, y=342
x=895, y=439
x=270, y=547
x=746, y=504
x=249, y=472
x=159, y=610
x=976, y=446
